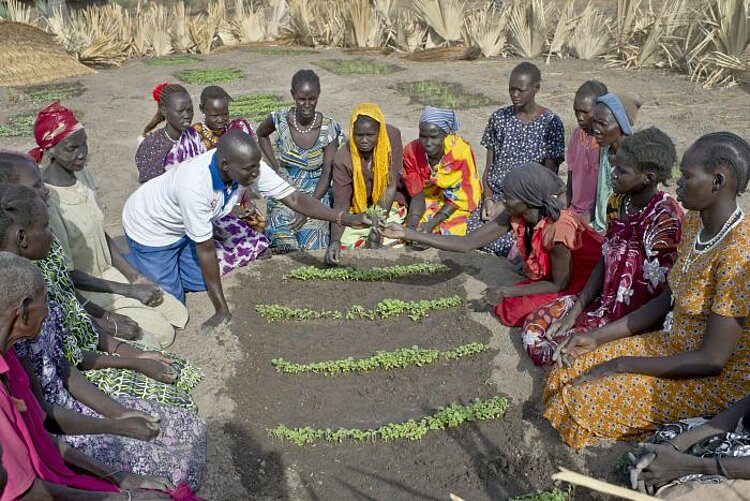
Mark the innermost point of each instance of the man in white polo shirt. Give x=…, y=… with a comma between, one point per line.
x=169, y=220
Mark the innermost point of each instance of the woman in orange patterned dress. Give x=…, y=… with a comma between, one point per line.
x=622, y=385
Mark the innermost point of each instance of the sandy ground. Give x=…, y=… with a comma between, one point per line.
x=242, y=395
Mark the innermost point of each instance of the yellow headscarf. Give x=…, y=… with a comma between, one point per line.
x=381, y=159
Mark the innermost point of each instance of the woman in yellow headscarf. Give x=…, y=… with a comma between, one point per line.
x=366, y=172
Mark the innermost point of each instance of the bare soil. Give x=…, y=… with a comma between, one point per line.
x=243, y=395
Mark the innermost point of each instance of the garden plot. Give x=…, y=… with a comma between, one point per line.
x=351, y=401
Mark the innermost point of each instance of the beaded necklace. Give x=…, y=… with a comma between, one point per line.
x=694, y=252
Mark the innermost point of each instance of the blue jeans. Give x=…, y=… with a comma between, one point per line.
x=174, y=267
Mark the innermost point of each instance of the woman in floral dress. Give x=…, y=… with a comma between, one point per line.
x=621, y=384
x=645, y=226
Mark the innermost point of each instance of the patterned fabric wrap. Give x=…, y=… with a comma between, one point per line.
x=585, y=246
x=628, y=406
x=445, y=119
x=244, y=244
x=603, y=191
x=81, y=335
x=453, y=181
x=302, y=168
x=638, y=254
x=178, y=453
x=381, y=159
x=514, y=143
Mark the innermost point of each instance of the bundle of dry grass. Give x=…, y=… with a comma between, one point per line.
x=436, y=54
x=444, y=18
x=530, y=27
x=15, y=11
x=29, y=55
x=590, y=37
x=487, y=29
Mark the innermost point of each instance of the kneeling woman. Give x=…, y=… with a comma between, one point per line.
x=697, y=364
x=558, y=249
x=645, y=226
x=366, y=172
x=440, y=175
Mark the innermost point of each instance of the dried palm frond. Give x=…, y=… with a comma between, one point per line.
x=180, y=31
x=386, y=13
x=566, y=23
x=722, y=60
x=276, y=15
x=444, y=17
x=487, y=29
x=366, y=30
x=202, y=28
x=299, y=18
x=248, y=24
x=15, y=11
x=161, y=42
x=529, y=27
x=330, y=23
x=410, y=31
x=590, y=38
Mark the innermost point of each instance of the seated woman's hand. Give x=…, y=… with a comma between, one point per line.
x=562, y=326
x=120, y=326
x=658, y=465
x=138, y=425
x=132, y=481
x=333, y=255
x=148, y=294
x=374, y=240
x=394, y=231
x=156, y=370
x=608, y=368
x=575, y=346
x=155, y=355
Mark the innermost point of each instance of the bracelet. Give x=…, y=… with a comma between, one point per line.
x=340, y=218
x=119, y=343
x=673, y=445
x=106, y=318
x=720, y=468
x=115, y=322
x=83, y=304
x=130, y=496
x=111, y=474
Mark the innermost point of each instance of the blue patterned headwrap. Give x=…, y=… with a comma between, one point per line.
x=445, y=119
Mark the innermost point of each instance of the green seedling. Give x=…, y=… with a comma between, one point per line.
x=376, y=274
x=256, y=107
x=387, y=308
x=553, y=495
x=46, y=93
x=18, y=126
x=171, y=60
x=386, y=360
x=209, y=77
x=357, y=66
x=442, y=94
x=377, y=216
x=446, y=417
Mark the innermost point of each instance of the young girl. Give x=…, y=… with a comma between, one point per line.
x=516, y=135
x=582, y=156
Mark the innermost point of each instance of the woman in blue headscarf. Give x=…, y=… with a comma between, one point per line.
x=614, y=118
x=440, y=176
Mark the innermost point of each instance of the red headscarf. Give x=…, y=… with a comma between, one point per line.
x=53, y=124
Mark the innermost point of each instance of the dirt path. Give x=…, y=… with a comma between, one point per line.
x=243, y=394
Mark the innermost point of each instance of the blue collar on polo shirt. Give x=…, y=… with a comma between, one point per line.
x=218, y=184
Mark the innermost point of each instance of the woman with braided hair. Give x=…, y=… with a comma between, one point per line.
x=173, y=105
x=623, y=384
x=645, y=226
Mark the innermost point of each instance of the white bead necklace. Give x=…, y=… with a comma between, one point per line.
x=303, y=131
x=694, y=253
x=168, y=137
